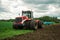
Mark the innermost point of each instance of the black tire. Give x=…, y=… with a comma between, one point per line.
x=17, y=26
x=26, y=24
x=40, y=24
x=14, y=27
x=33, y=25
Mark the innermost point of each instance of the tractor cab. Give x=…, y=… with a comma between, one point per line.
x=29, y=14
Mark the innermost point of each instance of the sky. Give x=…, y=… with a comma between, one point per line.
x=9, y=9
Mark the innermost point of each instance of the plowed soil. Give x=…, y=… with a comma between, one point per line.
x=51, y=32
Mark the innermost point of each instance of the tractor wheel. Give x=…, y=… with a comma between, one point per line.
x=33, y=25
x=39, y=24
x=14, y=27
x=26, y=25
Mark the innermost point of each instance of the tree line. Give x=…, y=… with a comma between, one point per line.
x=44, y=19
x=48, y=19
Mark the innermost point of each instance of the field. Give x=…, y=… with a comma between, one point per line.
x=6, y=30
x=49, y=32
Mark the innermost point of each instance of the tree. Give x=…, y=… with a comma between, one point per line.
x=48, y=19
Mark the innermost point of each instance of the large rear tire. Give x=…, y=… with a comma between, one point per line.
x=33, y=25
x=30, y=24
x=40, y=24
x=26, y=24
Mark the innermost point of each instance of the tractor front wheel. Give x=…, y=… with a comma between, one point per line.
x=15, y=27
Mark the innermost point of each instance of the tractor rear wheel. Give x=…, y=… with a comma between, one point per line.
x=26, y=25
x=33, y=25
x=39, y=24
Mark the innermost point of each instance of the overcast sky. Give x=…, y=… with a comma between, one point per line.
x=11, y=8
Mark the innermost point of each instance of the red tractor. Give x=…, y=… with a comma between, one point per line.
x=26, y=21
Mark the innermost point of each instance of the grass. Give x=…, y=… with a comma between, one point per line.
x=6, y=30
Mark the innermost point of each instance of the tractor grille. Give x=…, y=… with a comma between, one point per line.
x=18, y=20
